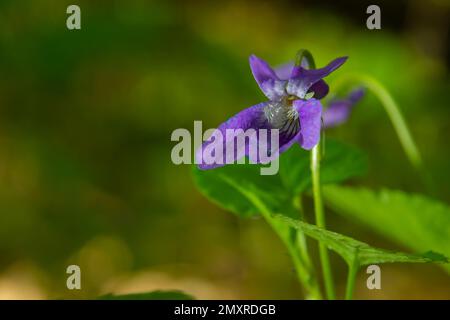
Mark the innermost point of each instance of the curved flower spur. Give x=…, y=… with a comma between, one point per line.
x=293, y=110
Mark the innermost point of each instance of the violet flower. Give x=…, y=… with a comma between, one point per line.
x=290, y=108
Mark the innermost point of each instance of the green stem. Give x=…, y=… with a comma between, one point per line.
x=398, y=121
x=396, y=117
x=318, y=206
x=304, y=271
x=300, y=236
x=302, y=249
x=320, y=220
x=305, y=54
x=351, y=278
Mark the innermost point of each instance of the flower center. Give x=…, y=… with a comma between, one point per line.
x=281, y=115
x=290, y=99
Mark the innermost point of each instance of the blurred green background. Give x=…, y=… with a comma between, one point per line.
x=86, y=117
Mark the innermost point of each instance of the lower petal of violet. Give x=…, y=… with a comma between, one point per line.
x=234, y=139
x=309, y=113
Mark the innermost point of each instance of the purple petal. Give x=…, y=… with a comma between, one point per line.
x=250, y=118
x=337, y=113
x=270, y=84
x=309, y=113
x=302, y=79
x=356, y=94
x=320, y=89
x=339, y=110
x=284, y=71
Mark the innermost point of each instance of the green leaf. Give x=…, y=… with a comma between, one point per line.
x=352, y=250
x=153, y=295
x=412, y=220
x=224, y=185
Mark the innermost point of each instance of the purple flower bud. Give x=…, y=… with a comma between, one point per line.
x=339, y=110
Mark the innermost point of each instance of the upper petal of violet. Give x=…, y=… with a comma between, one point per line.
x=302, y=79
x=320, y=89
x=284, y=71
x=268, y=81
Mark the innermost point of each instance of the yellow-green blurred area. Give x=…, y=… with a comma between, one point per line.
x=86, y=116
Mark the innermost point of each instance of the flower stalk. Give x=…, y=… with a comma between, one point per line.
x=397, y=119
x=320, y=220
x=317, y=193
x=351, y=278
